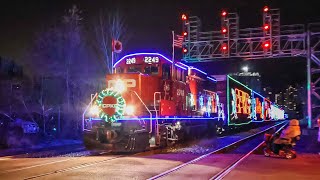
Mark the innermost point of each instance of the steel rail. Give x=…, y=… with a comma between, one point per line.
x=208, y=154
x=72, y=168
x=232, y=166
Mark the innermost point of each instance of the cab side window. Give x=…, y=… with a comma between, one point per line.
x=119, y=70
x=166, y=71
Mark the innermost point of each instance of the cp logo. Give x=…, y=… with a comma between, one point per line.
x=128, y=83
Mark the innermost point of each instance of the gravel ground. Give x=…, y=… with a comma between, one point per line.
x=204, y=146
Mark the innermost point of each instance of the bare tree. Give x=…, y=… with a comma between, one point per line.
x=106, y=27
x=64, y=66
x=72, y=39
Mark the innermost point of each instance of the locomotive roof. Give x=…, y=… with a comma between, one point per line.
x=178, y=64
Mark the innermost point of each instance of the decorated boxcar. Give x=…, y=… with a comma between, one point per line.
x=151, y=101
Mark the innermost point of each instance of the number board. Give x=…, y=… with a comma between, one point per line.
x=142, y=59
x=151, y=60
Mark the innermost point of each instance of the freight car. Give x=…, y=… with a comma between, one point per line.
x=151, y=101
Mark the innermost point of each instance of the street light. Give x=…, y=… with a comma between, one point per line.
x=245, y=68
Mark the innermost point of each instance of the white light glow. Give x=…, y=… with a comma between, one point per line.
x=245, y=68
x=204, y=109
x=129, y=110
x=94, y=110
x=119, y=86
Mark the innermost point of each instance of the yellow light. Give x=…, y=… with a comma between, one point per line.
x=94, y=110
x=129, y=110
x=119, y=86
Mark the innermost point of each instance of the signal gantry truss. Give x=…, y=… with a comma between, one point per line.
x=271, y=40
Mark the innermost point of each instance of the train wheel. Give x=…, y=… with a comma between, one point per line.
x=219, y=130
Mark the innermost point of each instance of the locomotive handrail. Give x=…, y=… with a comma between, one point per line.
x=146, y=108
x=154, y=105
x=154, y=102
x=86, y=109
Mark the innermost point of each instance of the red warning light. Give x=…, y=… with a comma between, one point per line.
x=224, y=13
x=184, y=50
x=224, y=47
x=224, y=30
x=266, y=27
x=265, y=9
x=184, y=33
x=184, y=17
x=266, y=45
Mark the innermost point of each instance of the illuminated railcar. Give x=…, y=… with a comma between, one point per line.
x=151, y=101
x=245, y=106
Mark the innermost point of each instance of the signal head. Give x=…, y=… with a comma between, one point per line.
x=266, y=45
x=266, y=27
x=224, y=47
x=224, y=30
x=224, y=13
x=265, y=9
x=184, y=17
x=185, y=33
x=184, y=50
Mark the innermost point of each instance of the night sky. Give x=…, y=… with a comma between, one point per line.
x=151, y=22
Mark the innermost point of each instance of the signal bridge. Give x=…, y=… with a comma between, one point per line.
x=271, y=40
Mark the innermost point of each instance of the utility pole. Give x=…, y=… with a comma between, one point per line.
x=309, y=118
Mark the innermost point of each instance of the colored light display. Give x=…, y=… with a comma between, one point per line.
x=137, y=58
x=111, y=105
x=245, y=105
x=240, y=103
x=257, y=103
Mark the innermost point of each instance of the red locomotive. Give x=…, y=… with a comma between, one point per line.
x=151, y=101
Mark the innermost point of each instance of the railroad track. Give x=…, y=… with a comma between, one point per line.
x=228, y=168
x=84, y=165
x=74, y=167
x=111, y=159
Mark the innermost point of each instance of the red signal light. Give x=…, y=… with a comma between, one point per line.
x=224, y=13
x=184, y=33
x=184, y=50
x=265, y=9
x=266, y=45
x=224, y=30
x=266, y=27
x=184, y=17
x=224, y=47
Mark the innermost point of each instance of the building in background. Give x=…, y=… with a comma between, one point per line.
x=293, y=101
x=268, y=93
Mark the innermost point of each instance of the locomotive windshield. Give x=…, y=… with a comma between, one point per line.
x=134, y=69
x=152, y=70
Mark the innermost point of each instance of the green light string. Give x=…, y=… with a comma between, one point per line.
x=121, y=103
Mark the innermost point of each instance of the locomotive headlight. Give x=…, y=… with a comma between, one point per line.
x=178, y=125
x=129, y=110
x=94, y=110
x=120, y=86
